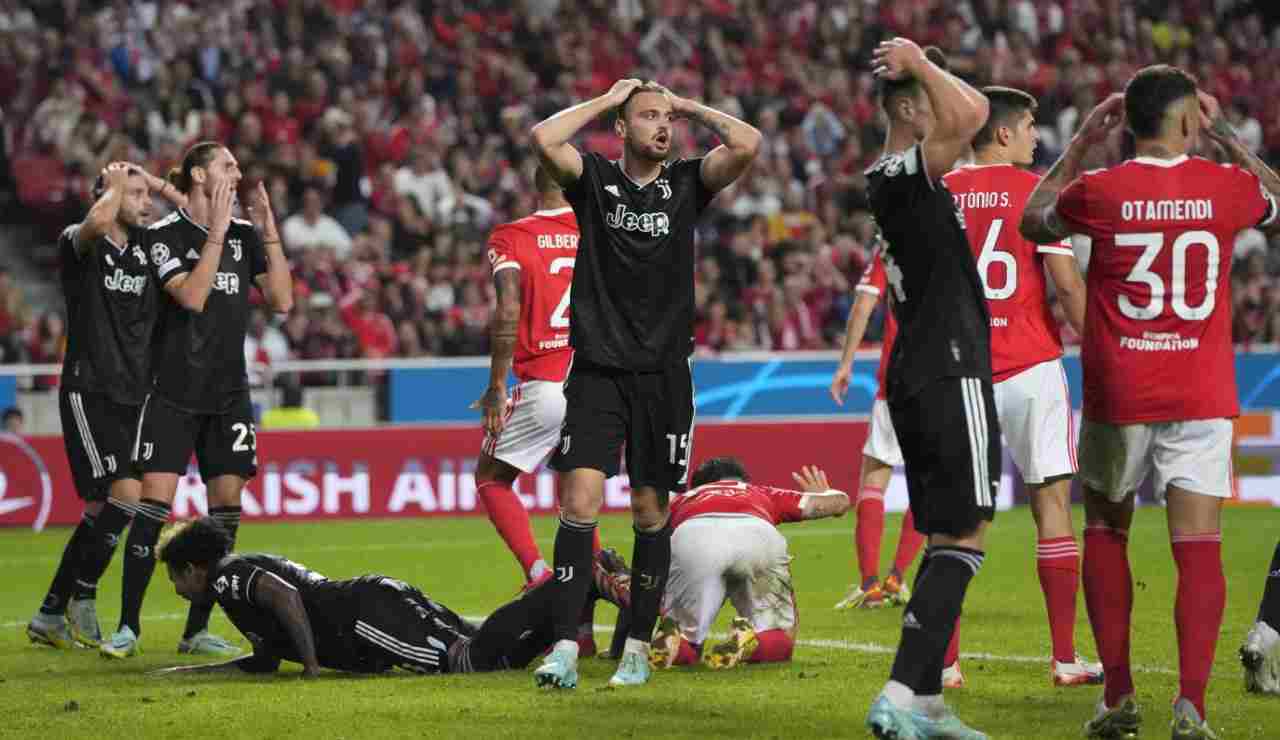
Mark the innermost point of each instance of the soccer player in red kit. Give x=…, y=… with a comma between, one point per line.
x=1159, y=370
x=726, y=544
x=1032, y=400
x=880, y=456
x=532, y=263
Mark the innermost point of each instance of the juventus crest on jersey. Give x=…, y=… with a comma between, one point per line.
x=633, y=281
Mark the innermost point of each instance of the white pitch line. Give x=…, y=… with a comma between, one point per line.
x=866, y=648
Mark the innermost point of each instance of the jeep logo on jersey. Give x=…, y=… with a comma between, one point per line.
x=227, y=282
x=653, y=224
x=118, y=280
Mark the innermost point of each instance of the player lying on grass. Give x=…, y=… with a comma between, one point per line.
x=368, y=624
x=726, y=543
x=1260, y=653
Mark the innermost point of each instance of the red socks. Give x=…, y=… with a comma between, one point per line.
x=1108, y=593
x=1058, y=565
x=868, y=530
x=512, y=522
x=687, y=654
x=1202, y=596
x=775, y=647
x=909, y=543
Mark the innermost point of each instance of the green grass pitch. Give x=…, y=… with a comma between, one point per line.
x=841, y=663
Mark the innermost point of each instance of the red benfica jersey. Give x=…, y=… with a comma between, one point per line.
x=873, y=282
x=735, y=498
x=542, y=247
x=1157, y=338
x=991, y=199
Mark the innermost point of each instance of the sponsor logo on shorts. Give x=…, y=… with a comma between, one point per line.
x=140, y=551
x=564, y=573
x=564, y=444
x=649, y=582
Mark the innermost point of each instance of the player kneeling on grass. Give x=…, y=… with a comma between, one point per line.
x=368, y=624
x=726, y=543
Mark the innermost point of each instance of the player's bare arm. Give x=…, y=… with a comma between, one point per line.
x=106, y=209
x=1040, y=220
x=1220, y=130
x=959, y=109
x=820, y=500
x=863, y=306
x=551, y=137
x=285, y=603
x=277, y=283
x=1065, y=274
x=502, y=341
x=191, y=290
x=739, y=142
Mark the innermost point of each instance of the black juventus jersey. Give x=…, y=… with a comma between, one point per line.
x=199, y=360
x=111, y=310
x=933, y=285
x=331, y=608
x=632, y=294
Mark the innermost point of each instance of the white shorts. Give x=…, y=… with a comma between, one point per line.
x=1192, y=455
x=1034, y=407
x=882, y=441
x=738, y=556
x=532, y=430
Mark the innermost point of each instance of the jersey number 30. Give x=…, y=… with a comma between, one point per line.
x=560, y=317
x=1177, y=288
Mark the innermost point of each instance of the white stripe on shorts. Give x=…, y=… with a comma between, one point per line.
x=82, y=423
x=411, y=653
x=137, y=438
x=975, y=420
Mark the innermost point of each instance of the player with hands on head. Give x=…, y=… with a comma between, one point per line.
x=632, y=302
x=727, y=545
x=938, y=384
x=205, y=259
x=111, y=312
x=1163, y=225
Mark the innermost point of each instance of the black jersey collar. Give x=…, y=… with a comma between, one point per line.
x=118, y=247
x=618, y=163
x=183, y=212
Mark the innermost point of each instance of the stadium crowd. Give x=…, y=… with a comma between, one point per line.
x=393, y=135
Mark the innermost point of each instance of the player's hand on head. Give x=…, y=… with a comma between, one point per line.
x=116, y=173
x=622, y=88
x=812, y=479
x=840, y=384
x=1215, y=125
x=1103, y=119
x=897, y=58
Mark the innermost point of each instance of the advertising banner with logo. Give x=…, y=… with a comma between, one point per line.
x=404, y=471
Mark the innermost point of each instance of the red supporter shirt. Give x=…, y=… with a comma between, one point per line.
x=873, y=282
x=1023, y=330
x=735, y=498
x=543, y=248
x=1157, y=340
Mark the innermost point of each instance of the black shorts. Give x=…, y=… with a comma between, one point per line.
x=98, y=434
x=396, y=625
x=224, y=444
x=950, y=440
x=652, y=412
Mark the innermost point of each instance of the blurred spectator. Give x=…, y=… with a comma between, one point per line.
x=312, y=228
x=264, y=346
x=13, y=420
x=47, y=346
x=373, y=330
x=290, y=413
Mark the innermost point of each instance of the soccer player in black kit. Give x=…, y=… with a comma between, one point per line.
x=205, y=261
x=939, y=388
x=111, y=309
x=368, y=624
x=632, y=334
